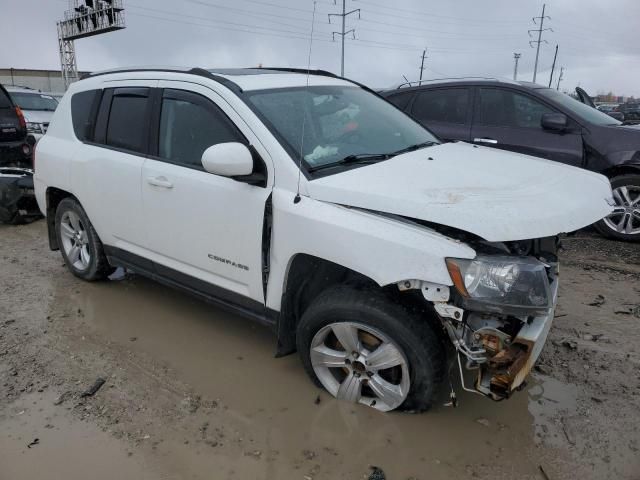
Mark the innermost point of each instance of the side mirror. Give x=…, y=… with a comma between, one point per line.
x=228, y=160
x=556, y=122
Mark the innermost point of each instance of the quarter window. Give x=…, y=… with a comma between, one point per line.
x=448, y=105
x=127, y=126
x=81, y=105
x=189, y=124
x=506, y=108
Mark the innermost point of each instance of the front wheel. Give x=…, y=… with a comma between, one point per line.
x=624, y=222
x=364, y=348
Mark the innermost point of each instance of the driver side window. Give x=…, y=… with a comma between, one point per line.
x=189, y=124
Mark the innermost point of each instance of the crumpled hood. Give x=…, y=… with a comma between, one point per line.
x=497, y=195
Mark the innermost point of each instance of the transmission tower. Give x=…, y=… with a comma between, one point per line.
x=344, y=32
x=560, y=77
x=540, y=29
x=85, y=18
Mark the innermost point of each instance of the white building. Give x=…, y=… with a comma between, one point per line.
x=43, y=80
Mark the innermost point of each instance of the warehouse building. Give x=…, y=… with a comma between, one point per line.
x=43, y=80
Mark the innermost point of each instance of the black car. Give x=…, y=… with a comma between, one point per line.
x=17, y=200
x=535, y=120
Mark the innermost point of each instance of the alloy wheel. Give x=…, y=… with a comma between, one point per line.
x=75, y=240
x=360, y=364
x=625, y=218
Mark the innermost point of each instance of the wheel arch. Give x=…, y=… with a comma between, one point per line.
x=306, y=277
x=625, y=169
x=53, y=197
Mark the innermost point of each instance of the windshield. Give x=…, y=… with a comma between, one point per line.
x=585, y=112
x=340, y=122
x=34, y=101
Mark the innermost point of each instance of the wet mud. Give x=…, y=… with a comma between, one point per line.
x=194, y=392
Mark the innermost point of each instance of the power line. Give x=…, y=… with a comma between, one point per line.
x=343, y=16
x=539, y=41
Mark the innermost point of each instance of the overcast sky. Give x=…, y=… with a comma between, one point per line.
x=598, y=40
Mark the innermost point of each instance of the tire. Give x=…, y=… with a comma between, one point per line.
x=373, y=315
x=626, y=190
x=83, y=254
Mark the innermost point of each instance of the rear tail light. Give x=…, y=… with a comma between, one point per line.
x=21, y=120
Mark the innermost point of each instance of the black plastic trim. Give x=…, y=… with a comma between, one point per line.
x=223, y=298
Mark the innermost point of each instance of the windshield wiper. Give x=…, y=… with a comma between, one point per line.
x=351, y=159
x=413, y=148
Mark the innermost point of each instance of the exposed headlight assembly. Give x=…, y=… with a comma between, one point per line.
x=503, y=284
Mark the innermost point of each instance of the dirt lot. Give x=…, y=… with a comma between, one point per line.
x=195, y=393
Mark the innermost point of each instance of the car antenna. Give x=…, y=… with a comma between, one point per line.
x=297, y=198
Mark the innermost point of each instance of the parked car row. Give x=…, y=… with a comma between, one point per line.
x=383, y=255
x=529, y=118
x=17, y=201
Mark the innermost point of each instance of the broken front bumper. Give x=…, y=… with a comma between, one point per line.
x=17, y=199
x=507, y=370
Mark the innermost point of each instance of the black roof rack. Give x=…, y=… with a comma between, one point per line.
x=193, y=71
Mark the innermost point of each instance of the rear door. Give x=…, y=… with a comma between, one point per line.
x=11, y=128
x=107, y=168
x=445, y=111
x=511, y=120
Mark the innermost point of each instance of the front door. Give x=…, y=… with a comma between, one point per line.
x=204, y=230
x=511, y=120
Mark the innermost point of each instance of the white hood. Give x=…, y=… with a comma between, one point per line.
x=497, y=195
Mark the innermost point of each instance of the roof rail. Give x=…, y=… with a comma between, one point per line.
x=322, y=73
x=192, y=71
x=420, y=82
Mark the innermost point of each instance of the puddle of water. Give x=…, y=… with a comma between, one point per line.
x=66, y=448
x=224, y=356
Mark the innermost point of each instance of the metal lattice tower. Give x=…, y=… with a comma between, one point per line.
x=85, y=18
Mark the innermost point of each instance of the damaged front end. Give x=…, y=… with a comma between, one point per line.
x=17, y=199
x=499, y=312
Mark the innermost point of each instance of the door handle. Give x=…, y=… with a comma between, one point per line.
x=485, y=140
x=159, y=182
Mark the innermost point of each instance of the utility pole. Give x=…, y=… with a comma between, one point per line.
x=553, y=67
x=516, y=58
x=424, y=53
x=560, y=77
x=539, y=41
x=344, y=32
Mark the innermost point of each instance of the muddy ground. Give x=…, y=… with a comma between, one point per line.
x=192, y=392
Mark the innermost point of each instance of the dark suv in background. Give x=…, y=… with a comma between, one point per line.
x=535, y=120
x=17, y=200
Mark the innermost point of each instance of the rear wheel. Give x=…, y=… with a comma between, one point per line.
x=364, y=348
x=624, y=222
x=79, y=243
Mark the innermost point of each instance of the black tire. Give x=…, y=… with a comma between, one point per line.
x=629, y=180
x=98, y=267
x=417, y=338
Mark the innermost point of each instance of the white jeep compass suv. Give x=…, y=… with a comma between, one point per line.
x=309, y=203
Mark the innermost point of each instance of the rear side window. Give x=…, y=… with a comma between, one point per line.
x=506, y=108
x=448, y=105
x=401, y=100
x=127, y=125
x=81, y=114
x=189, y=124
x=5, y=102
